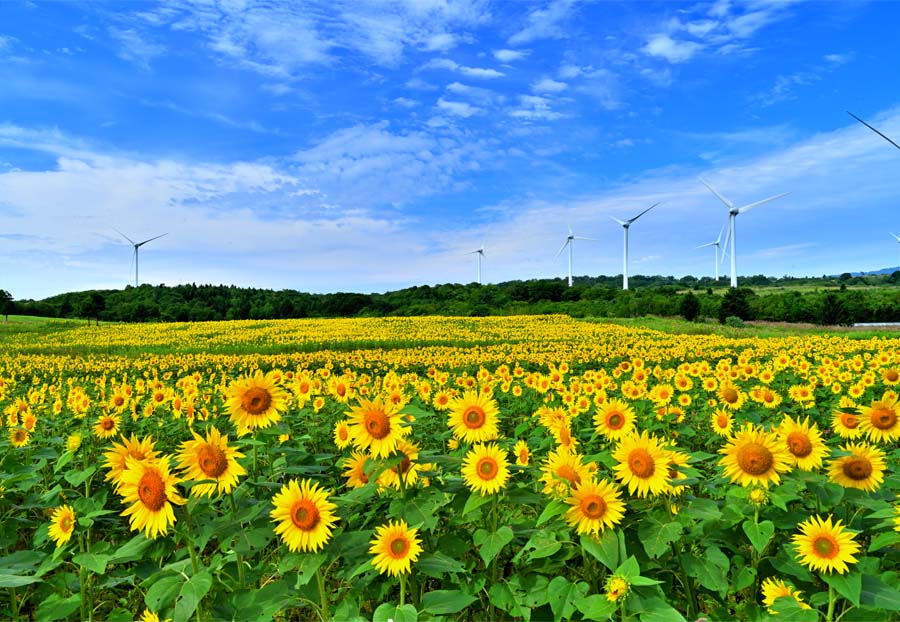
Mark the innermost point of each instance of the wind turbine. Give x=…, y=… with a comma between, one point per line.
x=625, y=225
x=137, y=245
x=718, y=247
x=568, y=243
x=897, y=237
x=873, y=129
x=480, y=253
x=732, y=215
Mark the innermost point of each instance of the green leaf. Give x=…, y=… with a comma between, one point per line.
x=77, y=478
x=606, y=549
x=640, y=581
x=94, y=563
x=759, y=534
x=192, y=592
x=563, y=594
x=745, y=578
x=876, y=593
x=64, y=459
x=847, y=585
x=657, y=610
x=629, y=568
x=309, y=565
x=656, y=536
x=55, y=607
x=474, y=502
x=420, y=510
x=710, y=576
x=789, y=610
x=387, y=611
x=131, y=550
x=541, y=544
x=441, y=602
x=14, y=580
x=596, y=607
x=883, y=540
x=490, y=544
x=162, y=593
x=503, y=597
x=702, y=510
x=438, y=564
x=551, y=511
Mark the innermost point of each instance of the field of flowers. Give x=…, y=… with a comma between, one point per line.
x=517, y=468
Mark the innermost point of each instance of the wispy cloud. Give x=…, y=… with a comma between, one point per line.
x=508, y=56
x=786, y=86
x=664, y=46
x=134, y=47
x=472, y=72
x=545, y=23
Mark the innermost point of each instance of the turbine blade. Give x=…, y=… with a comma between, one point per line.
x=642, y=213
x=578, y=237
x=150, y=240
x=747, y=208
x=621, y=222
x=721, y=231
x=563, y=247
x=896, y=237
x=873, y=129
x=707, y=245
x=728, y=203
x=725, y=247
x=123, y=235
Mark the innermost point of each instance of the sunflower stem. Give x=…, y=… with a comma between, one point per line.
x=402, y=589
x=830, y=616
x=323, y=595
x=240, y=558
x=686, y=582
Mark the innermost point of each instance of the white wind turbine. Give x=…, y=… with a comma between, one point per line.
x=733, y=212
x=568, y=243
x=137, y=245
x=480, y=253
x=896, y=237
x=873, y=129
x=718, y=247
x=625, y=225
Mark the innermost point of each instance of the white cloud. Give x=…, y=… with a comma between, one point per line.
x=134, y=48
x=534, y=108
x=406, y=102
x=662, y=45
x=567, y=72
x=548, y=85
x=545, y=23
x=458, y=109
x=508, y=56
x=478, y=72
x=440, y=42
x=472, y=72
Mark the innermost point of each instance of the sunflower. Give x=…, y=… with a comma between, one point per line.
x=563, y=470
x=614, y=420
x=73, y=442
x=376, y=426
x=675, y=459
x=255, y=402
x=522, y=453
x=846, y=424
x=408, y=467
x=304, y=515
x=62, y=524
x=730, y=396
x=773, y=589
x=825, y=547
x=210, y=459
x=355, y=469
x=596, y=506
x=18, y=437
x=485, y=469
x=150, y=489
x=617, y=588
x=890, y=376
x=395, y=546
x=342, y=436
x=722, y=422
x=117, y=456
x=643, y=464
x=473, y=418
x=107, y=426
x=803, y=443
x=862, y=469
x=754, y=456
x=881, y=420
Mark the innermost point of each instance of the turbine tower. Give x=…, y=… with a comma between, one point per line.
x=718, y=247
x=897, y=237
x=480, y=253
x=137, y=245
x=733, y=212
x=625, y=225
x=873, y=129
x=568, y=243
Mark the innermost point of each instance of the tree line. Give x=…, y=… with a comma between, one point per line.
x=845, y=299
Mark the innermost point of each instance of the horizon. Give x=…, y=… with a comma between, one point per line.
x=368, y=147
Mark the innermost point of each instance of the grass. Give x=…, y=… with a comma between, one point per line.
x=679, y=326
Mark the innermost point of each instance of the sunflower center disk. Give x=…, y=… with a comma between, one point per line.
x=487, y=469
x=593, y=506
x=399, y=547
x=722, y=421
x=891, y=375
x=212, y=461
x=569, y=474
x=799, y=444
x=857, y=468
x=755, y=459
x=474, y=417
x=118, y=400
x=305, y=515
x=107, y=423
x=152, y=491
x=641, y=463
x=884, y=418
x=256, y=400
x=825, y=547
x=378, y=425
x=849, y=421
x=729, y=395
x=615, y=420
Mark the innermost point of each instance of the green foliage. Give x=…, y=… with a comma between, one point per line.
x=690, y=307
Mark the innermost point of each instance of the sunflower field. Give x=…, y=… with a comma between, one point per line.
x=446, y=469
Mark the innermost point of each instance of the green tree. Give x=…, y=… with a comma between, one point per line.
x=7, y=305
x=690, y=307
x=736, y=302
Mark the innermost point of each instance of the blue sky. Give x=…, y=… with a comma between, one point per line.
x=356, y=145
